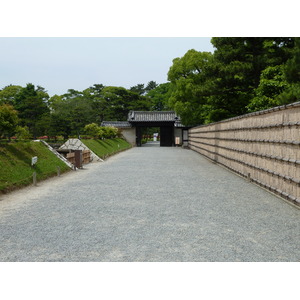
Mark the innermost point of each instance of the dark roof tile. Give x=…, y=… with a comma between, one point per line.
x=117, y=124
x=152, y=116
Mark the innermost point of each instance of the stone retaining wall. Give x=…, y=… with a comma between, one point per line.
x=76, y=144
x=262, y=146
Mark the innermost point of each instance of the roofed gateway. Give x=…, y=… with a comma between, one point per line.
x=171, y=130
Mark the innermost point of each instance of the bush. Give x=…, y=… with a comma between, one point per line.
x=109, y=132
x=22, y=133
x=98, y=132
x=93, y=130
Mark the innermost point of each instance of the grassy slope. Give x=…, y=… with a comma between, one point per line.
x=15, y=164
x=104, y=148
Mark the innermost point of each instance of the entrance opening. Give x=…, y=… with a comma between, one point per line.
x=166, y=136
x=150, y=136
x=160, y=136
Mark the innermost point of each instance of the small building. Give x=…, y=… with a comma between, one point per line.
x=172, y=132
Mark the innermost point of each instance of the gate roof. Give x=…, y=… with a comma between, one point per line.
x=147, y=118
x=152, y=116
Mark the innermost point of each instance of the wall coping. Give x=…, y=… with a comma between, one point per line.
x=256, y=113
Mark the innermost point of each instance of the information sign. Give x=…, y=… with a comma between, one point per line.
x=34, y=160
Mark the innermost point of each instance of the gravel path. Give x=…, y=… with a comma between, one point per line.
x=148, y=204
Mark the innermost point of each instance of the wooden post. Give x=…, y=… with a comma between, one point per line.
x=249, y=177
x=34, y=178
x=58, y=171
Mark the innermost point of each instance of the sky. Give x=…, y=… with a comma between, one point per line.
x=59, y=64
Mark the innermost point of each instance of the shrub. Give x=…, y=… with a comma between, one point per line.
x=93, y=130
x=109, y=132
x=22, y=133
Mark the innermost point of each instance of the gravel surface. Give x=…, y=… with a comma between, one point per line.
x=148, y=204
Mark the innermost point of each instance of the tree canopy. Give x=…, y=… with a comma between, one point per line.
x=243, y=74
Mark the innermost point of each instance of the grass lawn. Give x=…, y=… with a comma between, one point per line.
x=15, y=164
x=105, y=148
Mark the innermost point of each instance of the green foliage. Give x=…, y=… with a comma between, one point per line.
x=138, y=89
x=243, y=74
x=68, y=114
x=190, y=80
x=237, y=78
x=160, y=97
x=292, y=69
x=290, y=94
x=272, y=83
x=8, y=94
x=15, y=164
x=8, y=120
x=109, y=132
x=98, y=132
x=93, y=130
x=22, y=133
x=150, y=86
x=105, y=148
x=31, y=104
x=142, y=90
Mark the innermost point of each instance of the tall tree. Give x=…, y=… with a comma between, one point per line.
x=292, y=69
x=32, y=106
x=190, y=85
x=8, y=120
x=240, y=62
x=139, y=89
x=272, y=83
x=8, y=94
x=150, y=86
x=160, y=97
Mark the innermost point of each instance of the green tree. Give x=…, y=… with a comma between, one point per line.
x=70, y=113
x=272, y=83
x=139, y=89
x=8, y=94
x=292, y=69
x=32, y=105
x=150, y=86
x=160, y=97
x=22, y=133
x=189, y=76
x=210, y=87
x=119, y=101
x=8, y=120
x=239, y=63
x=292, y=74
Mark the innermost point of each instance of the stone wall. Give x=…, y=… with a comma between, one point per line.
x=263, y=147
x=76, y=144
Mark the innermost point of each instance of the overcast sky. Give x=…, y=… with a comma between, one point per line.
x=59, y=64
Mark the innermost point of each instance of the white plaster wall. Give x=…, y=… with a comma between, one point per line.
x=129, y=135
x=178, y=133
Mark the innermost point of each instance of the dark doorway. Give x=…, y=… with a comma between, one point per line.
x=166, y=136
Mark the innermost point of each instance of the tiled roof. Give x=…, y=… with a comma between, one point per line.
x=178, y=124
x=152, y=116
x=117, y=124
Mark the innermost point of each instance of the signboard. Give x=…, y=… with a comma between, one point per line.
x=34, y=160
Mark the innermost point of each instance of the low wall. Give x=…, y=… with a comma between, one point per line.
x=263, y=146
